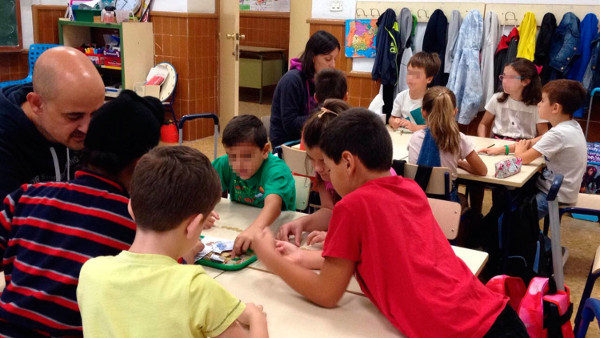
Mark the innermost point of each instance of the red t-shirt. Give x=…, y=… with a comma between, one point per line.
x=405, y=265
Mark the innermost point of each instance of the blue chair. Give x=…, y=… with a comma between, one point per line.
x=190, y=117
x=591, y=310
x=35, y=50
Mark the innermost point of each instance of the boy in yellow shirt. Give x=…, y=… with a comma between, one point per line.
x=144, y=291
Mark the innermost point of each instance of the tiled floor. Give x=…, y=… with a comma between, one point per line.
x=581, y=237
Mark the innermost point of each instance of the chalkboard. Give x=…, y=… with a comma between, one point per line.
x=10, y=21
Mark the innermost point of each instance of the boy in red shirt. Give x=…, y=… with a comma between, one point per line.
x=400, y=256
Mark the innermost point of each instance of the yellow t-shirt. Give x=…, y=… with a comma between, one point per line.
x=144, y=295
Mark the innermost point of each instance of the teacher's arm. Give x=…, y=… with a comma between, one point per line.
x=293, y=106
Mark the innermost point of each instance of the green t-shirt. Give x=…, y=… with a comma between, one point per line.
x=273, y=177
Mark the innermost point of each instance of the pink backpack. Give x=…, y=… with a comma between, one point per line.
x=545, y=311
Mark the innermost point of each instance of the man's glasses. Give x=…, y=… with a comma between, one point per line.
x=510, y=77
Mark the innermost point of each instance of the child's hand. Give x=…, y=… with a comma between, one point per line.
x=409, y=125
x=292, y=228
x=263, y=242
x=252, y=313
x=394, y=122
x=212, y=218
x=190, y=257
x=289, y=251
x=493, y=151
x=316, y=237
x=522, y=146
x=244, y=239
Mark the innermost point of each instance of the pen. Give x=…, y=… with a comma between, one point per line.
x=491, y=145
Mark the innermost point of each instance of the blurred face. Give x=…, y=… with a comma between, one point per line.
x=513, y=83
x=322, y=61
x=316, y=157
x=66, y=119
x=416, y=78
x=338, y=176
x=545, y=107
x=246, y=158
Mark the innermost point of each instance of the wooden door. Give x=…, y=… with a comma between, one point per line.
x=229, y=42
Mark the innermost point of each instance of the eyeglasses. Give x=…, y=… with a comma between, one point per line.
x=510, y=77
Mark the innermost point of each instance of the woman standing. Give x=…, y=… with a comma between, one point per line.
x=293, y=98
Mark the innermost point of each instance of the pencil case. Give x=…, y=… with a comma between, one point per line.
x=507, y=167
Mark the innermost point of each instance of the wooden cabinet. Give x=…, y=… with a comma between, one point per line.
x=136, y=43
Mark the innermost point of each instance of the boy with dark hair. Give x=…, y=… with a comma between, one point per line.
x=563, y=146
x=406, y=112
x=50, y=229
x=144, y=291
x=330, y=83
x=423, y=289
x=252, y=175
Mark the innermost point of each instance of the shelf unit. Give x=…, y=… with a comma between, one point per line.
x=137, y=49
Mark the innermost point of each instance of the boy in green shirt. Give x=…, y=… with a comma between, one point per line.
x=253, y=175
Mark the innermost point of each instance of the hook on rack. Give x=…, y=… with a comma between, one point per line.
x=378, y=13
x=419, y=13
x=506, y=16
x=363, y=13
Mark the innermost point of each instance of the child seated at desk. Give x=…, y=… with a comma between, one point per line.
x=144, y=291
x=406, y=112
x=563, y=146
x=402, y=260
x=252, y=175
x=441, y=144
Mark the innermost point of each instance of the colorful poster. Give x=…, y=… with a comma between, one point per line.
x=265, y=5
x=360, y=38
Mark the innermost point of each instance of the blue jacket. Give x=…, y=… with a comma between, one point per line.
x=588, y=31
x=595, y=64
x=465, y=74
x=386, y=65
x=565, y=46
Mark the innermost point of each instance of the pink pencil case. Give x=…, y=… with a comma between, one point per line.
x=508, y=167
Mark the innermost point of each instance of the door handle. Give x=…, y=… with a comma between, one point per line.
x=235, y=36
x=231, y=36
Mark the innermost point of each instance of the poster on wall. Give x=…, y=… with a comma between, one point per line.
x=265, y=5
x=360, y=38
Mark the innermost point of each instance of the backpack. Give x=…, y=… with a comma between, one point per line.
x=545, y=311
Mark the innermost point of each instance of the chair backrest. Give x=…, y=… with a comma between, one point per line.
x=297, y=161
x=447, y=214
x=438, y=182
x=302, y=191
x=167, y=89
x=35, y=50
x=266, y=120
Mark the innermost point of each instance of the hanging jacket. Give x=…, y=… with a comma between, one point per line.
x=527, y=31
x=491, y=37
x=588, y=31
x=505, y=53
x=386, y=67
x=592, y=75
x=434, y=41
x=26, y=156
x=542, y=46
x=465, y=75
x=565, y=46
x=453, y=29
x=293, y=100
x=405, y=24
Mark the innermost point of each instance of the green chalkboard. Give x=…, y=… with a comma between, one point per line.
x=10, y=36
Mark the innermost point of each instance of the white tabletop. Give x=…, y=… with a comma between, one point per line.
x=400, y=141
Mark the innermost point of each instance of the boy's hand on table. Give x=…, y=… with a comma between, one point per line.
x=252, y=313
x=492, y=151
x=289, y=251
x=292, y=228
x=190, y=257
x=409, y=125
x=212, y=218
x=244, y=239
x=316, y=237
x=522, y=146
x=394, y=122
x=263, y=243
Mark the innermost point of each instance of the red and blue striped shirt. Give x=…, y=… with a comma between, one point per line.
x=47, y=231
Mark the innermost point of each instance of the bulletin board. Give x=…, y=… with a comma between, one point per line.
x=10, y=24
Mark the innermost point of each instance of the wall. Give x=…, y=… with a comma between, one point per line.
x=300, y=12
x=262, y=30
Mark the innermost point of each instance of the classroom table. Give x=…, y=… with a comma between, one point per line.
x=401, y=137
x=257, y=70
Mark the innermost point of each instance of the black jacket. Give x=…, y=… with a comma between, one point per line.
x=434, y=41
x=542, y=45
x=25, y=155
x=387, y=58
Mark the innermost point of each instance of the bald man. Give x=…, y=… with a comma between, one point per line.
x=41, y=123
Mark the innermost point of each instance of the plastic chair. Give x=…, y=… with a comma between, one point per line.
x=35, y=50
x=435, y=181
x=299, y=164
x=591, y=310
x=447, y=214
x=587, y=290
x=185, y=118
x=167, y=90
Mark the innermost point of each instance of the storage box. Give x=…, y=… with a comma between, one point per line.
x=86, y=15
x=152, y=90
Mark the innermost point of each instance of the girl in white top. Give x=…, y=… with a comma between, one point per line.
x=513, y=114
x=455, y=149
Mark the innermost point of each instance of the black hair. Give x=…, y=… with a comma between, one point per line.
x=321, y=42
x=330, y=84
x=314, y=126
x=362, y=133
x=532, y=93
x=245, y=129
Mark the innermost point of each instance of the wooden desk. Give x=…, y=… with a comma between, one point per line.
x=400, y=143
x=257, y=70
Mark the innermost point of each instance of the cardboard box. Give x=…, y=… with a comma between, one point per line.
x=152, y=90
